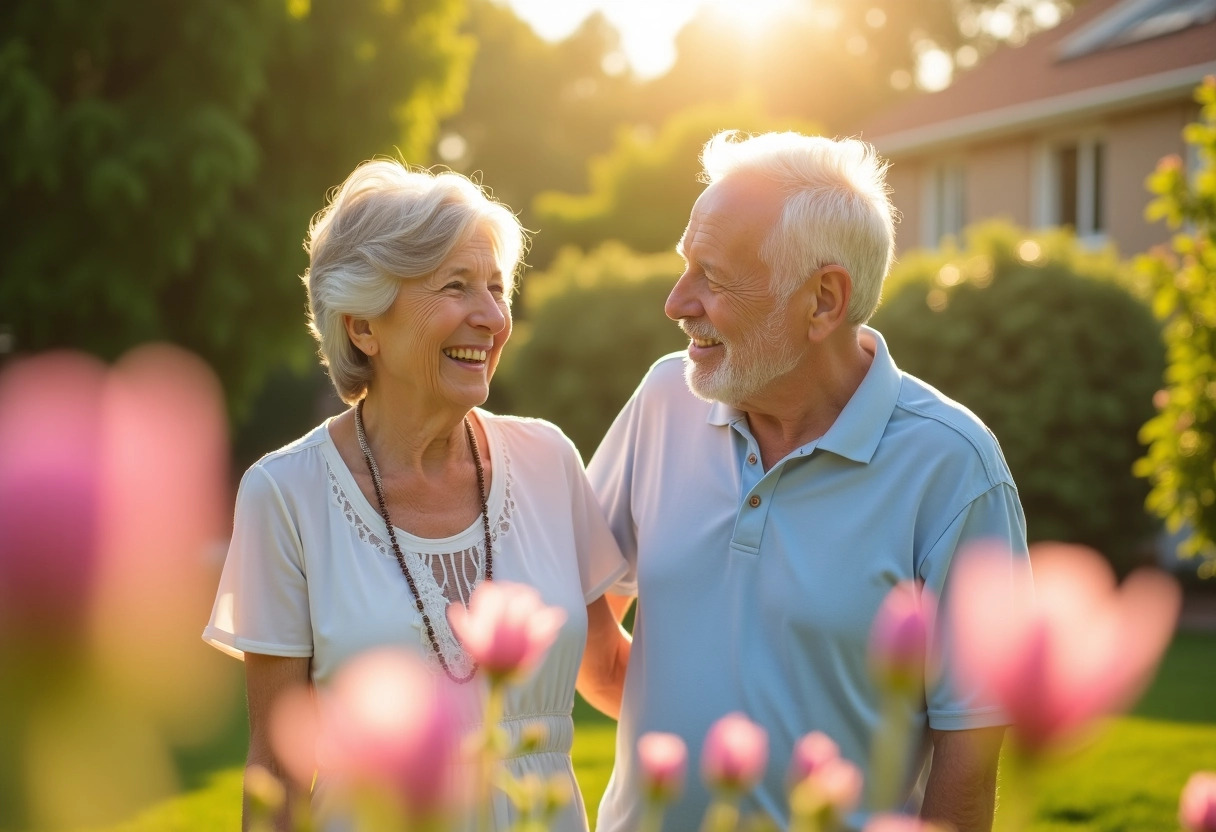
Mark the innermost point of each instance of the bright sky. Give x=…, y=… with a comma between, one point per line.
x=647, y=27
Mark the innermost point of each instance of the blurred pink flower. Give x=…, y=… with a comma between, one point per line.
x=735, y=753
x=1075, y=649
x=811, y=753
x=112, y=486
x=506, y=628
x=900, y=639
x=1197, y=808
x=382, y=725
x=824, y=778
x=50, y=492
x=664, y=759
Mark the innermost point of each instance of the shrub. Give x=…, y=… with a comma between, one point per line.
x=594, y=324
x=1181, y=438
x=1047, y=344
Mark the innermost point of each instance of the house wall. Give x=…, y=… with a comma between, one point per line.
x=999, y=176
x=905, y=177
x=1004, y=177
x=1135, y=142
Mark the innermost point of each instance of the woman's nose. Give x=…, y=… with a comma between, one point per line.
x=490, y=312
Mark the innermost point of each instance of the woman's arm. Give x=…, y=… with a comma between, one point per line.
x=266, y=679
x=601, y=677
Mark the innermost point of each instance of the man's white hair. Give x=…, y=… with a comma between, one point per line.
x=837, y=207
x=384, y=224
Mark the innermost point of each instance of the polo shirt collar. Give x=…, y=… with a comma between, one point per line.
x=860, y=426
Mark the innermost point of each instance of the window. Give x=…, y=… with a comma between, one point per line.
x=1074, y=186
x=945, y=208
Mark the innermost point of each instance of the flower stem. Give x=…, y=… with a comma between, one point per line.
x=722, y=815
x=652, y=819
x=488, y=754
x=889, y=755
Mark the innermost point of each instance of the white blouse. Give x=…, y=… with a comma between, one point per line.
x=310, y=572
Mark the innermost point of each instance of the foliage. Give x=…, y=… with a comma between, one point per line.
x=1181, y=438
x=161, y=161
x=535, y=111
x=643, y=189
x=594, y=323
x=1045, y=342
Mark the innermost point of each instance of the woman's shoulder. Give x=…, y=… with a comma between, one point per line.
x=287, y=463
x=526, y=431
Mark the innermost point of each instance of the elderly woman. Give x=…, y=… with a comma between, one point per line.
x=415, y=494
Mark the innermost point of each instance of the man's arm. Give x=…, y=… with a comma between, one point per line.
x=961, y=789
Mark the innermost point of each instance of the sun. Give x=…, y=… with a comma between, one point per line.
x=755, y=17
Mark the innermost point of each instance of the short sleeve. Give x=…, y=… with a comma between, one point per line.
x=600, y=563
x=262, y=602
x=995, y=517
x=611, y=474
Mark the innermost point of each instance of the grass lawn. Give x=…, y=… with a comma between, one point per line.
x=1127, y=781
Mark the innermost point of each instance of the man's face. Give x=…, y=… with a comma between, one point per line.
x=740, y=337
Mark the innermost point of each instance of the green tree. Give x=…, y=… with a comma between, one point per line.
x=161, y=161
x=1048, y=344
x=535, y=111
x=1181, y=458
x=643, y=189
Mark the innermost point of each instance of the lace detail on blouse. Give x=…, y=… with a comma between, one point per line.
x=441, y=578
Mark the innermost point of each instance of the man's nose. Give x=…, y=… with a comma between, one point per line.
x=682, y=302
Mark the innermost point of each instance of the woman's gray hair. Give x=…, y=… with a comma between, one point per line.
x=837, y=208
x=387, y=223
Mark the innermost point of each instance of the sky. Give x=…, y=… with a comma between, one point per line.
x=647, y=27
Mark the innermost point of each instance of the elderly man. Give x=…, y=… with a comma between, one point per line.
x=772, y=484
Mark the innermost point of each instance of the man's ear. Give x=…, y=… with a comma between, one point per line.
x=827, y=300
x=359, y=330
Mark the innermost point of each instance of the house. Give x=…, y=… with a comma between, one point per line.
x=1061, y=130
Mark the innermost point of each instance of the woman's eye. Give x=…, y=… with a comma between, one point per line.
x=497, y=288
x=455, y=284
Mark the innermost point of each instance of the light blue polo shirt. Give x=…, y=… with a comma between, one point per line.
x=756, y=590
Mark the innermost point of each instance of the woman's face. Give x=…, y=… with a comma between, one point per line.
x=442, y=337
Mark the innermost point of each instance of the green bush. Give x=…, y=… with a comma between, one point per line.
x=1048, y=345
x=592, y=326
x=643, y=188
x=1181, y=438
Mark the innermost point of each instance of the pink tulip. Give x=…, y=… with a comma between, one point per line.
x=1077, y=649
x=735, y=753
x=810, y=755
x=506, y=629
x=1197, y=808
x=50, y=492
x=383, y=725
x=822, y=777
x=664, y=759
x=900, y=639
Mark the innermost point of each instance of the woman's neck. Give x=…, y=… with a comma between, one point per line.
x=404, y=437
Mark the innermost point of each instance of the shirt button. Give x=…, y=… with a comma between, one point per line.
x=754, y=501
x=751, y=459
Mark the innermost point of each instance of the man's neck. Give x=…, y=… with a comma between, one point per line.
x=802, y=405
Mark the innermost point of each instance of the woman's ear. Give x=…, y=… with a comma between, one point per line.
x=359, y=330
x=827, y=303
